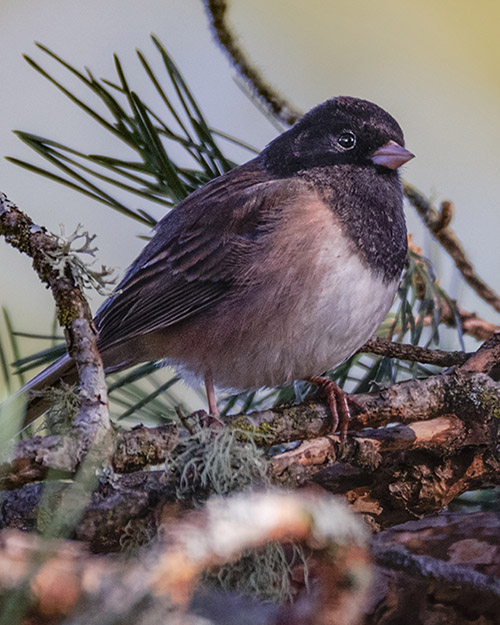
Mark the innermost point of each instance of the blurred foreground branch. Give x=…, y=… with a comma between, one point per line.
x=62, y=579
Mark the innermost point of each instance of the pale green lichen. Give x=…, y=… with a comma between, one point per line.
x=211, y=461
x=64, y=407
x=67, y=257
x=219, y=461
x=265, y=574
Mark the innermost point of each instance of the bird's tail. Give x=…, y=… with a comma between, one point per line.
x=63, y=369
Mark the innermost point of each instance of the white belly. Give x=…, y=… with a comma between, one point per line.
x=325, y=328
x=293, y=334
x=313, y=303
x=350, y=307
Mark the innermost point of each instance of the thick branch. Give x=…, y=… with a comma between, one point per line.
x=446, y=443
x=448, y=575
x=134, y=449
x=486, y=358
x=404, y=472
x=443, y=569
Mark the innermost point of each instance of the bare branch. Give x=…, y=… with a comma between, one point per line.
x=273, y=101
x=471, y=324
x=414, y=353
x=438, y=224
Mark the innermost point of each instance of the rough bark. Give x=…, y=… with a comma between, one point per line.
x=446, y=442
x=91, y=426
x=441, y=569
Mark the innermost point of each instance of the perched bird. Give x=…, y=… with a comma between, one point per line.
x=278, y=270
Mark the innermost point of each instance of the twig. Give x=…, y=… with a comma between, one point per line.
x=438, y=224
x=273, y=101
x=414, y=353
x=470, y=322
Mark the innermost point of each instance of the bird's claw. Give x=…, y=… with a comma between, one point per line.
x=338, y=401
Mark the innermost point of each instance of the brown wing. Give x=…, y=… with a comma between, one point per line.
x=195, y=257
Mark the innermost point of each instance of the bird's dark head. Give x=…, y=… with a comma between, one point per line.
x=340, y=131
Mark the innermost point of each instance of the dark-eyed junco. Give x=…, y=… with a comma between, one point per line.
x=275, y=271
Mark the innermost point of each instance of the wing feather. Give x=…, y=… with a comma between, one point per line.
x=196, y=256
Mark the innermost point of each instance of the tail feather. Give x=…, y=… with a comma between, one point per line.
x=63, y=369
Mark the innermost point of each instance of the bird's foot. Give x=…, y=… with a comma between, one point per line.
x=338, y=401
x=199, y=419
x=212, y=421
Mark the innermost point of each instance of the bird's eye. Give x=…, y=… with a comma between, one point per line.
x=347, y=140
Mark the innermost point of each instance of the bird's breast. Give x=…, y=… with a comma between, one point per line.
x=308, y=304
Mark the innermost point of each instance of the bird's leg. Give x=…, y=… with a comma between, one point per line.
x=213, y=409
x=338, y=400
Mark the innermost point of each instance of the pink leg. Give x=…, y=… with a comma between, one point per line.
x=212, y=400
x=338, y=400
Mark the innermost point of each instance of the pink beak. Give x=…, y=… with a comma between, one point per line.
x=391, y=155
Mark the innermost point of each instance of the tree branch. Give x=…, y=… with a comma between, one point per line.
x=92, y=424
x=413, y=353
x=446, y=443
x=267, y=95
x=445, y=574
x=438, y=569
x=470, y=323
x=486, y=358
x=438, y=224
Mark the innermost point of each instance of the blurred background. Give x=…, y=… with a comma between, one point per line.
x=431, y=64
